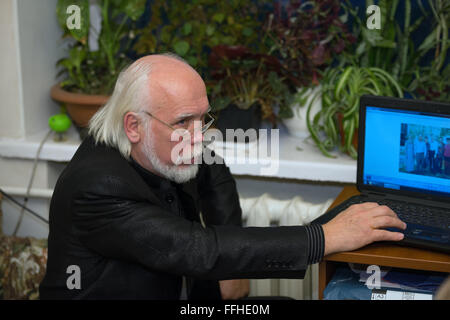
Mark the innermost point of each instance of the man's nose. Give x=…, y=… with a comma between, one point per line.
x=197, y=137
x=197, y=134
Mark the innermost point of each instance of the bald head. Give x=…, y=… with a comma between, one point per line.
x=171, y=79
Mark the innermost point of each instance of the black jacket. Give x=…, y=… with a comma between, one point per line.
x=128, y=244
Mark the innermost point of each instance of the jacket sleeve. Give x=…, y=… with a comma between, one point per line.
x=113, y=222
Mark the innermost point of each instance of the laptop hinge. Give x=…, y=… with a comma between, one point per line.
x=375, y=194
x=418, y=201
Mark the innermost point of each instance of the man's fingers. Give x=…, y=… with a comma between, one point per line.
x=384, y=235
x=365, y=205
x=380, y=222
x=382, y=211
x=375, y=209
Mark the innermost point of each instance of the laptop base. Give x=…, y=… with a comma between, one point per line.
x=419, y=236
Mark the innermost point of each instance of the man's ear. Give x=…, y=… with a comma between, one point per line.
x=131, y=127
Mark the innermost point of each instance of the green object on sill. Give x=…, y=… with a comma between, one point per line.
x=59, y=122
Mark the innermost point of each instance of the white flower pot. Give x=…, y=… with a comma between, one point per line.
x=297, y=125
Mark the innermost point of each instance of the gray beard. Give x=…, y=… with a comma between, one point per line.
x=173, y=173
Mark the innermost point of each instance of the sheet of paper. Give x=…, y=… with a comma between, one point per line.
x=399, y=295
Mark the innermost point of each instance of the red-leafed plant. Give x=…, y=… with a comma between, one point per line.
x=298, y=40
x=306, y=35
x=245, y=79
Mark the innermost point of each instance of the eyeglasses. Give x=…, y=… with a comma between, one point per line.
x=209, y=119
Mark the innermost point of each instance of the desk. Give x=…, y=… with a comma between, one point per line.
x=388, y=255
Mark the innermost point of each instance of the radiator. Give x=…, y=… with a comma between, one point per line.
x=266, y=211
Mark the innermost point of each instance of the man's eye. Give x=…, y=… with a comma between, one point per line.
x=182, y=122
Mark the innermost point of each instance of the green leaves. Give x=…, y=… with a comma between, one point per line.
x=341, y=90
x=246, y=31
x=181, y=47
x=218, y=17
x=342, y=82
x=202, y=24
x=73, y=66
x=132, y=8
x=210, y=29
x=221, y=103
x=187, y=28
x=68, y=12
x=429, y=42
x=96, y=72
x=390, y=48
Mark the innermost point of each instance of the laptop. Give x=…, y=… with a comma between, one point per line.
x=402, y=150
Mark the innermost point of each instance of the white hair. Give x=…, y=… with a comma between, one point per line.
x=131, y=93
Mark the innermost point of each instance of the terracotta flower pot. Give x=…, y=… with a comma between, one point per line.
x=80, y=107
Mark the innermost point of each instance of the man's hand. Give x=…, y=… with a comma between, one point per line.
x=234, y=289
x=360, y=225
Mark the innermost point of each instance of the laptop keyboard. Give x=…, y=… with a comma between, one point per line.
x=417, y=214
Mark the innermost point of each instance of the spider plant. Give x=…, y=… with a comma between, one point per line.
x=337, y=122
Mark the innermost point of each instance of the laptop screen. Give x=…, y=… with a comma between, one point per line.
x=407, y=150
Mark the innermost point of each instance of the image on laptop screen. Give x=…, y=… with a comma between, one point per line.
x=407, y=150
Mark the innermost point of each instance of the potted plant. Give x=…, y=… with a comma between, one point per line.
x=96, y=54
x=192, y=28
x=434, y=85
x=246, y=85
x=391, y=47
x=382, y=62
x=417, y=66
x=305, y=36
x=222, y=41
x=337, y=122
x=431, y=81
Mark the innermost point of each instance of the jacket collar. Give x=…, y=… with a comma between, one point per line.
x=153, y=180
x=190, y=187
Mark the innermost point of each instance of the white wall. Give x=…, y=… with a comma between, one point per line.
x=30, y=226
x=40, y=48
x=14, y=178
x=11, y=121
x=30, y=46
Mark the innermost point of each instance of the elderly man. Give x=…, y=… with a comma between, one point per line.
x=128, y=220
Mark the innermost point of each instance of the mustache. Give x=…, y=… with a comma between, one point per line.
x=188, y=153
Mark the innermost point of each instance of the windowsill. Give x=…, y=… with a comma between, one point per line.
x=305, y=163
x=26, y=148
